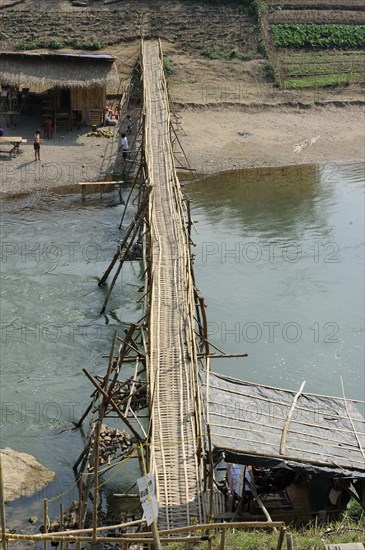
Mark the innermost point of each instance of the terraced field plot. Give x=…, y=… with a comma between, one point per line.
x=314, y=44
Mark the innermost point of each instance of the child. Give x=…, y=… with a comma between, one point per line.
x=124, y=146
x=37, y=145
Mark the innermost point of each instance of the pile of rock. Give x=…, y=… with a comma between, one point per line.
x=112, y=442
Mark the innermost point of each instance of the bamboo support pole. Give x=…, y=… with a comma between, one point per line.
x=121, y=262
x=132, y=346
x=113, y=404
x=96, y=477
x=211, y=475
x=2, y=509
x=45, y=519
x=290, y=414
x=154, y=527
x=351, y=421
x=289, y=541
x=80, y=510
x=131, y=227
x=281, y=538
x=259, y=501
x=129, y=197
x=61, y=525
x=73, y=534
x=142, y=539
x=205, y=324
x=222, y=355
x=223, y=540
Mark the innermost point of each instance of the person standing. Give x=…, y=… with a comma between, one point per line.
x=124, y=146
x=48, y=128
x=129, y=124
x=37, y=145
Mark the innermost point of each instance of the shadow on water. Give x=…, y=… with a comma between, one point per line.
x=276, y=202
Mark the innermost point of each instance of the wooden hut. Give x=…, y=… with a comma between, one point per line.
x=305, y=452
x=72, y=86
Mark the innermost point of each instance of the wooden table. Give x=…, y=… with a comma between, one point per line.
x=15, y=142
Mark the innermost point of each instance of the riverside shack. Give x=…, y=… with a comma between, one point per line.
x=70, y=88
x=302, y=453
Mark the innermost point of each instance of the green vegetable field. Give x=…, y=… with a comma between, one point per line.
x=315, y=47
x=318, y=36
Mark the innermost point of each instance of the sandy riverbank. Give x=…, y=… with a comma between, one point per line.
x=225, y=138
x=214, y=138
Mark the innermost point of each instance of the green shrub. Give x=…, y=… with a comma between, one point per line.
x=167, y=66
x=56, y=44
x=355, y=513
x=87, y=45
x=215, y=52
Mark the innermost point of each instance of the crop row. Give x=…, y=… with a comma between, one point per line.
x=323, y=69
x=318, y=36
x=319, y=81
x=345, y=56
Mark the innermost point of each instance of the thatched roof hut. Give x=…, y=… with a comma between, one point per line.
x=64, y=70
x=78, y=82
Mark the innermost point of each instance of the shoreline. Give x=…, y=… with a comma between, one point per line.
x=214, y=138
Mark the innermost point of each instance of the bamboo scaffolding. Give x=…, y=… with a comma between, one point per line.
x=140, y=212
x=113, y=404
x=2, y=509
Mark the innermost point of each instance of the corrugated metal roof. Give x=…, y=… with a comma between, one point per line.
x=247, y=421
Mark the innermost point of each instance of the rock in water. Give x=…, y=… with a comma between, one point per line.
x=23, y=475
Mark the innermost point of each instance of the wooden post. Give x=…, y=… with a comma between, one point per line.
x=96, y=478
x=45, y=519
x=289, y=541
x=281, y=537
x=154, y=528
x=79, y=519
x=188, y=208
x=61, y=524
x=2, y=509
x=211, y=474
x=223, y=539
x=259, y=501
x=205, y=325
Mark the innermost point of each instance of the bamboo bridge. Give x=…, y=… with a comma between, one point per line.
x=161, y=365
x=170, y=342
x=172, y=358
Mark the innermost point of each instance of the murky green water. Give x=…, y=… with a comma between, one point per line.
x=280, y=261
x=278, y=258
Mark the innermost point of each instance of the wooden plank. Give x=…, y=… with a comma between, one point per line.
x=346, y=546
x=10, y=139
x=100, y=182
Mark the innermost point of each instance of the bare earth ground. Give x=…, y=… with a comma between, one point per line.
x=229, y=116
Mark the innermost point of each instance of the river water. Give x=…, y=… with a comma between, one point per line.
x=279, y=259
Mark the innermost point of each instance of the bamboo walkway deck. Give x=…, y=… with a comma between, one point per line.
x=172, y=348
